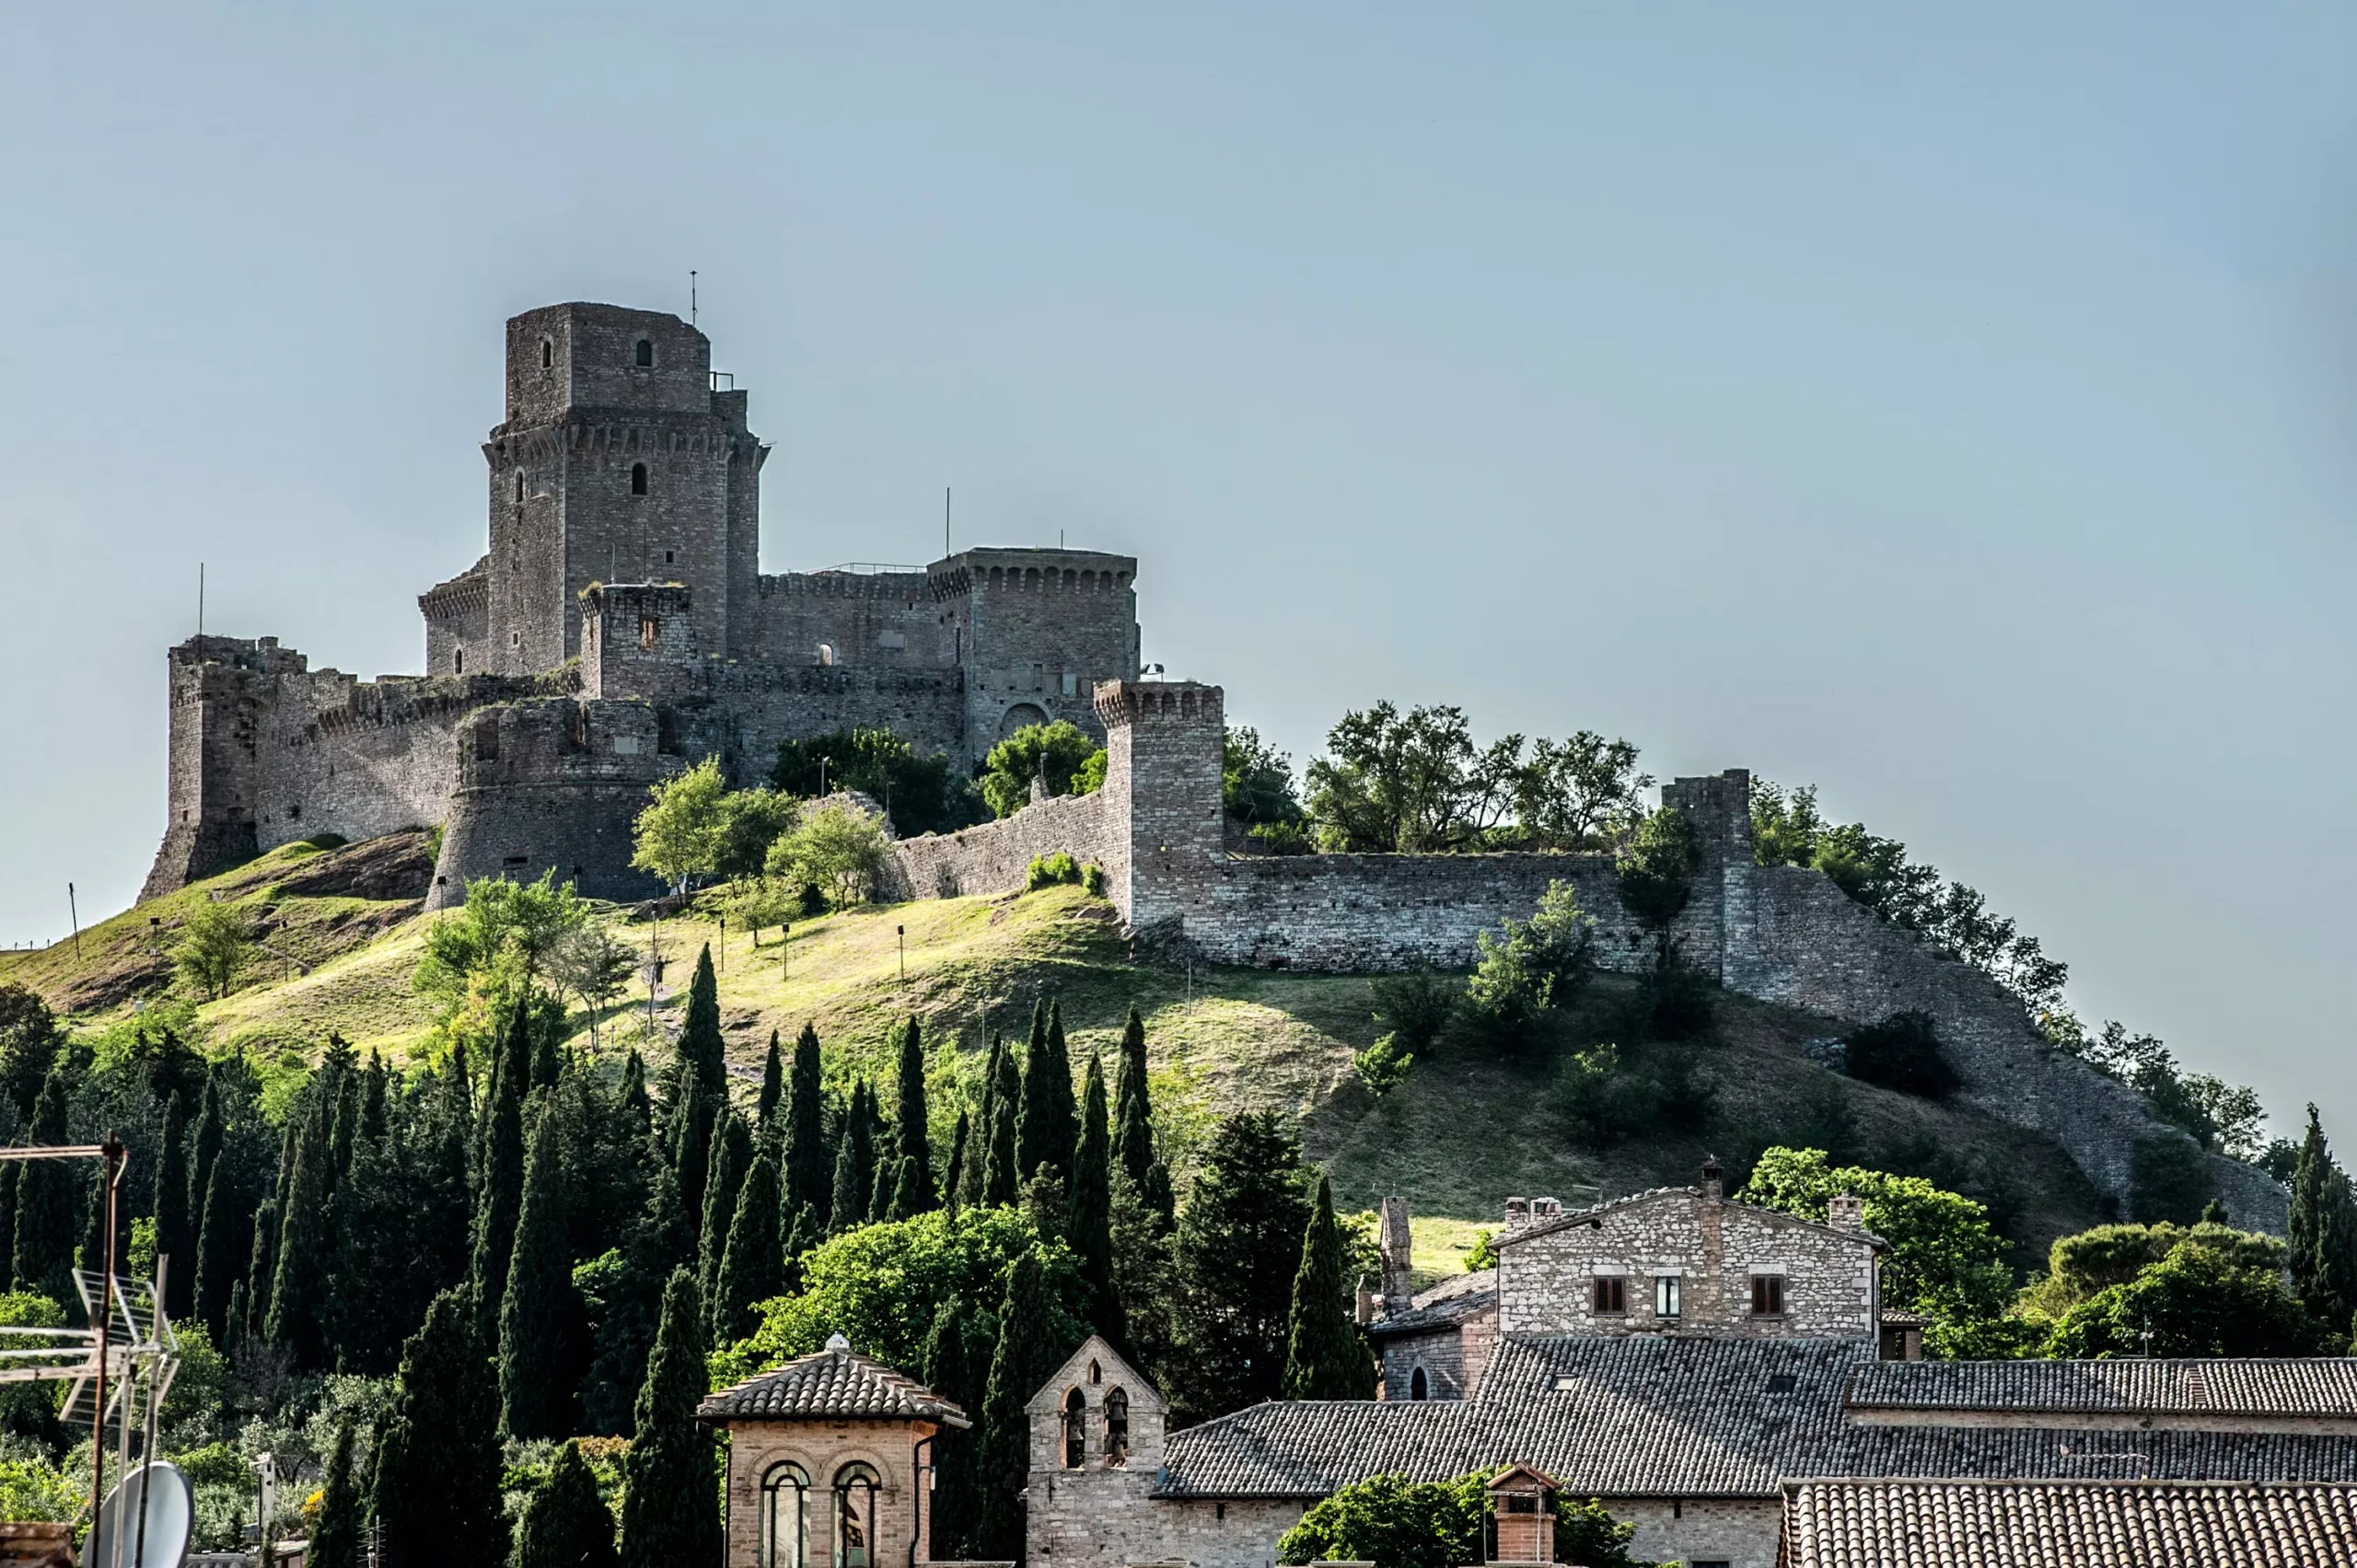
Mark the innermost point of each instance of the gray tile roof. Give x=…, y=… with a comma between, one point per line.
x=833, y=1384
x=1666, y=1416
x=1451, y=1301
x=2305, y=1387
x=1968, y=1524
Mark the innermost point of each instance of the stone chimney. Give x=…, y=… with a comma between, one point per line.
x=1398, y=1286
x=1368, y=1304
x=1713, y=1190
x=1846, y=1211
x=1517, y=1214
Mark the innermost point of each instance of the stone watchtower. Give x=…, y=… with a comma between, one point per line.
x=618, y=461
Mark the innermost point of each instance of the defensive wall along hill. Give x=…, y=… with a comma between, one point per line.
x=1777, y=934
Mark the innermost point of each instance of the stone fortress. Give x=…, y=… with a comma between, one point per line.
x=619, y=629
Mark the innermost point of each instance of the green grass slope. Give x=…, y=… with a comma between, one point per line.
x=1467, y=1127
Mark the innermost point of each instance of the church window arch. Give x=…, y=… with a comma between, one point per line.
x=547, y=355
x=855, y=1522
x=1417, y=1387
x=827, y=653
x=1075, y=1431
x=638, y=479
x=645, y=357
x=1117, y=1428
x=458, y=661
x=786, y=1517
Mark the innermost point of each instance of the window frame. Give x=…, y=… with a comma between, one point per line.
x=1609, y=1295
x=1117, y=1428
x=856, y=1475
x=642, y=357
x=1075, y=1431
x=784, y=1470
x=1669, y=1296
x=642, y=480
x=1768, y=1287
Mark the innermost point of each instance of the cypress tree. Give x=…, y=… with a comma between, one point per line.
x=1029, y=1349
x=773, y=1085
x=2311, y=1186
x=1235, y=1254
x=169, y=1203
x=43, y=1258
x=636, y=1108
x=203, y=1150
x=378, y=1291
x=949, y=1373
x=1325, y=1359
x=658, y=1243
x=694, y=1110
x=701, y=1045
x=800, y=1236
x=848, y=1205
x=335, y=1539
x=548, y=1060
x=436, y=1161
x=345, y=1129
x=955, y=1196
x=1134, y=1102
x=670, y=1513
x=261, y=1266
x=233, y=1333
x=1049, y=1131
x=1092, y=1210
x=888, y=1176
x=9, y=1174
x=536, y=1314
x=218, y=1248
x=567, y=1523
x=978, y=1150
x=437, y=1479
x=732, y=1156
x=752, y=1267
x=1000, y=1180
x=299, y=1286
x=500, y=1197
x=808, y=1172
x=916, y=1143
x=374, y=1086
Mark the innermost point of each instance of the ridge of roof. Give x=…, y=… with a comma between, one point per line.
x=834, y=1383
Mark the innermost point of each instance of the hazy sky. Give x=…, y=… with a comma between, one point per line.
x=1955, y=412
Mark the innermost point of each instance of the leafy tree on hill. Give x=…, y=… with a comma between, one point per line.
x=28, y=1042
x=1056, y=752
x=590, y=963
x=1325, y=1358
x=502, y=938
x=2222, y=1118
x=1256, y=780
x=751, y=822
x=1577, y=795
x=216, y=944
x=1409, y=783
x=679, y=836
x=671, y=1504
x=2195, y=1302
x=1235, y=1254
x=1531, y=969
x=917, y=792
x=834, y=847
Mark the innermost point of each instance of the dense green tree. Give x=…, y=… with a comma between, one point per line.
x=911, y=1122
x=632, y=1307
x=2196, y=1302
x=732, y=1156
x=204, y=1150
x=751, y=1266
x=1325, y=1358
x=378, y=1291
x=700, y=1043
x=1133, y=1101
x=299, y=1287
x=855, y=1165
x=773, y=1085
x=537, y=1312
x=567, y=1524
x=1092, y=1209
x=1656, y=874
x=1236, y=1253
x=500, y=1195
x=1047, y=1131
x=335, y=1537
x=167, y=1204
x=632, y=1101
x=803, y=1232
x=2324, y=1244
x=919, y=792
x=43, y=1258
x=954, y=1189
x=1000, y=1176
x=1029, y=1351
x=1396, y=1523
x=809, y=1170
x=1409, y=783
x=253, y=1310
x=1056, y=752
x=671, y=1504
x=28, y=1042
x=948, y=1372
x=438, y=1475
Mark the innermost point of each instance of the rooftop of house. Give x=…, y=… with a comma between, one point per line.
x=1555, y=1220
x=1671, y=1415
x=2089, y=1524
x=1452, y=1301
x=832, y=1384
x=2315, y=1387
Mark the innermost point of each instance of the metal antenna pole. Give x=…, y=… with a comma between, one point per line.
x=944, y=521
x=155, y=1390
x=691, y=296
x=199, y=598
x=75, y=914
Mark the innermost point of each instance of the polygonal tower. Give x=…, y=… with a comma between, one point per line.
x=619, y=461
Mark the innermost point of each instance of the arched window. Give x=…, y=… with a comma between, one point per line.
x=1117, y=1428
x=786, y=1517
x=826, y=652
x=1075, y=1431
x=855, y=1486
x=1095, y=1375
x=458, y=661
x=1417, y=1387
x=645, y=355
x=548, y=353
x=638, y=479
x=519, y=487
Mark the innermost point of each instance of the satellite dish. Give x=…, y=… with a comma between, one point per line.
x=170, y=1509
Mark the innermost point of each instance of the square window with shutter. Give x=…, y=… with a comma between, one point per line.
x=1767, y=1295
x=1611, y=1296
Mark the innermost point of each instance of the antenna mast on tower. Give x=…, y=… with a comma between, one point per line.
x=691, y=296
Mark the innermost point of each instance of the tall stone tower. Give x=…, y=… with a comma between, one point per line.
x=618, y=461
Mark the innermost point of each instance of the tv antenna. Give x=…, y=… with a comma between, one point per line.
x=691, y=296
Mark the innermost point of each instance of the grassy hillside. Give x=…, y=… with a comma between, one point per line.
x=1467, y=1127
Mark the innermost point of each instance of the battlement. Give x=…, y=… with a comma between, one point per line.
x=906, y=586
x=996, y=569
x=1124, y=703
x=259, y=656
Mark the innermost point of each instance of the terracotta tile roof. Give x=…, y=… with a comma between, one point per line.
x=832, y=1384
x=1668, y=1416
x=2317, y=1386
x=1980, y=1523
x=1453, y=1300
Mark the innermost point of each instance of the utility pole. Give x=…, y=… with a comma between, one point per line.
x=73, y=915
x=902, y=933
x=691, y=296
x=944, y=521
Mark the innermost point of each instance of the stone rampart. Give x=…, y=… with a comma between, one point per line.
x=995, y=856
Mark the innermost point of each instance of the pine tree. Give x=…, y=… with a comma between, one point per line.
x=260, y=1267
x=1029, y=1349
x=1325, y=1358
x=809, y=1169
x=971, y=1183
x=954, y=1197
x=335, y=1539
x=567, y=1524
x=436, y=1158
x=548, y=1058
x=670, y=1513
x=1134, y=1102
x=437, y=1479
x=374, y=1087
x=631, y=1100
x=378, y=1291
x=168, y=1204
x=751, y=1268
x=772, y=1087
x=1047, y=1131
x=1092, y=1210
x=536, y=1313
x=916, y=1143
x=732, y=1156
x=1236, y=1253
x=700, y=1044
x=500, y=1196
x=949, y=1373
x=693, y=1114
x=45, y=1230
x=344, y=1127
x=1001, y=1181
x=299, y=1290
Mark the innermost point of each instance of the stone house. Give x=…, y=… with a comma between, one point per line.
x=830, y=1463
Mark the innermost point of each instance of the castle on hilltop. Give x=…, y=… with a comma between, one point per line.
x=621, y=592
x=618, y=629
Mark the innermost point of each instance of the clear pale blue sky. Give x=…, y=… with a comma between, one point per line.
x=1954, y=411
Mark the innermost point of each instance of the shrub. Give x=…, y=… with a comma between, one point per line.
x=1657, y=876
x=1902, y=1053
x=216, y=943
x=2195, y=1302
x=1092, y=879
x=1540, y=965
x=1384, y=1065
x=1679, y=998
x=1418, y=1005
x=1280, y=838
x=2168, y=1179
x=1050, y=871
